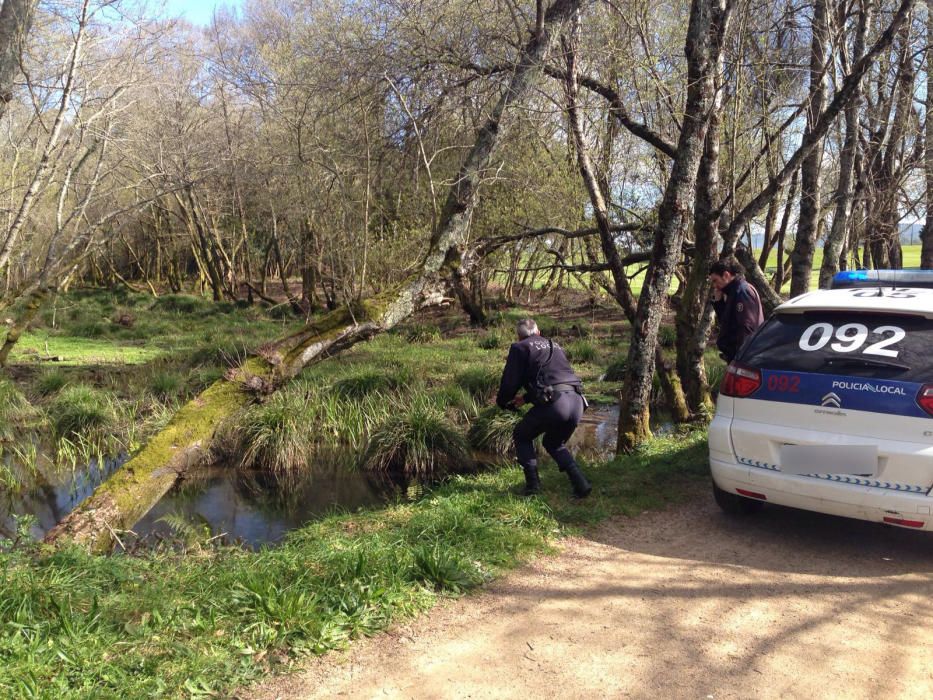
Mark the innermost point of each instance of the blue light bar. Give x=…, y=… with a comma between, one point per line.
x=883, y=278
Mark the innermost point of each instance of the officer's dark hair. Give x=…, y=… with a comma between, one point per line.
x=526, y=328
x=717, y=268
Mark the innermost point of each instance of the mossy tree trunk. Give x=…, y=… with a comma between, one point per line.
x=144, y=479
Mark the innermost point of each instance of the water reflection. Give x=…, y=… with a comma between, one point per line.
x=255, y=507
x=50, y=492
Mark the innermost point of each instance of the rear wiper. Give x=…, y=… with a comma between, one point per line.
x=864, y=362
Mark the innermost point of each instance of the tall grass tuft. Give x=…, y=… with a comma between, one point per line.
x=50, y=382
x=492, y=340
x=166, y=385
x=15, y=409
x=667, y=336
x=615, y=372
x=582, y=351
x=276, y=435
x=419, y=440
x=357, y=386
x=81, y=410
x=480, y=382
x=422, y=333
x=492, y=430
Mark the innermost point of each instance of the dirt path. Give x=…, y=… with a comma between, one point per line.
x=681, y=603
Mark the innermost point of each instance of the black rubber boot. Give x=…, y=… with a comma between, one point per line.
x=532, y=482
x=581, y=487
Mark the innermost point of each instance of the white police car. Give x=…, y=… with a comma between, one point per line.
x=829, y=406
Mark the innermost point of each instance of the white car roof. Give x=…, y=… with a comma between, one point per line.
x=916, y=301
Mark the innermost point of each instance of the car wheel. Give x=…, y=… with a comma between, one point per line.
x=733, y=504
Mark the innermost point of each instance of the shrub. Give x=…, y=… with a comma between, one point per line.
x=89, y=329
x=492, y=430
x=479, y=382
x=581, y=351
x=418, y=440
x=715, y=371
x=80, y=409
x=615, y=372
x=548, y=327
x=50, y=382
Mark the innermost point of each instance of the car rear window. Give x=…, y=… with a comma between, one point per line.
x=875, y=345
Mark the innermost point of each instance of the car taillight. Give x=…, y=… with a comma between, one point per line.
x=741, y=381
x=925, y=398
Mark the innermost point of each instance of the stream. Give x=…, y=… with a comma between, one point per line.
x=254, y=508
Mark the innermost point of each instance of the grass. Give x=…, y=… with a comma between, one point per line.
x=92, y=327
x=164, y=625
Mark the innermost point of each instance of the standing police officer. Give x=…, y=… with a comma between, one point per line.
x=540, y=366
x=737, y=307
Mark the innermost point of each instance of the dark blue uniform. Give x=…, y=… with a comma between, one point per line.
x=739, y=313
x=533, y=363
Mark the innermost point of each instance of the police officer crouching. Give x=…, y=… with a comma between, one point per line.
x=540, y=366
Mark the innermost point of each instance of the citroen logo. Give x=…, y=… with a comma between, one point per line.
x=831, y=399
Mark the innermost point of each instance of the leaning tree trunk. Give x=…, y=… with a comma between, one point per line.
x=134, y=489
x=708, y=22
x=802, y=255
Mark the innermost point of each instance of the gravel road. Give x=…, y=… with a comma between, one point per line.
x=682, y=603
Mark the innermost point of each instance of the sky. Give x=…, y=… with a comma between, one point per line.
x=196, y=11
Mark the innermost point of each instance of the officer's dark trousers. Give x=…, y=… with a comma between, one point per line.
x=557, y=420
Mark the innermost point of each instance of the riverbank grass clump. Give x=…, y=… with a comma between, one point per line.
x=480, y=382
x=491, y=432
x=81, y=410
x=419, y=440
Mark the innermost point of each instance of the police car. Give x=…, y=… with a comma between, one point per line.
x=829, y=405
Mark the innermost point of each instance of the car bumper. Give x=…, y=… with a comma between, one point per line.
x=832, y=498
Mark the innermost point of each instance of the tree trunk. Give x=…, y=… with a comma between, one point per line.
x=802, y=255
x=695, y=315
x=132, y=491
x=670, y=384
x=845, y=189
x=15, y=22
x=926, y=237
x=705, y=33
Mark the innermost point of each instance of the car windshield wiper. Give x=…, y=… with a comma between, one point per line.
x=864, y=362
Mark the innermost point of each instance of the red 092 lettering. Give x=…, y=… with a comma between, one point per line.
x=784, y=382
